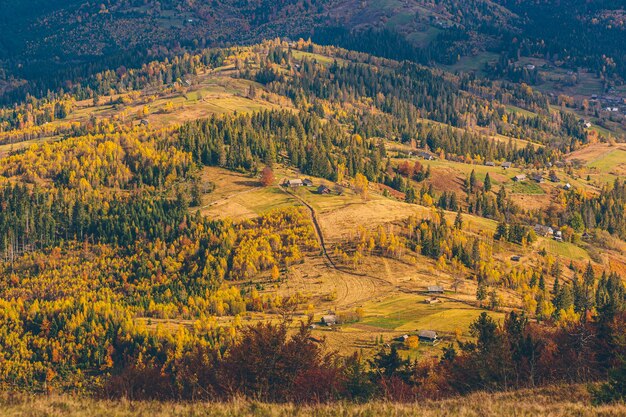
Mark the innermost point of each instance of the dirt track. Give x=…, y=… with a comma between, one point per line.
x=352, y=288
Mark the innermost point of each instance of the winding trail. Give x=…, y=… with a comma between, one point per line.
x=320, y=238
x=354, y=288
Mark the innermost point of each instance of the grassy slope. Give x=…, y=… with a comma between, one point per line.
x=563, y=401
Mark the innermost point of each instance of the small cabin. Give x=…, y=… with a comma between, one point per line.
x=506, y=165
x=329, y=320
x=426, y=155
x=322, y=189
x=428, y=336
x=307, y=182
x=519, y=177
x=516, y=258
x=402, y=338
x=432, y=300
x=144, y=122
x=434, y=289
x=542, y=230
x=537, y=177
x=567, y=186
x=490, y=164
x=294, y=183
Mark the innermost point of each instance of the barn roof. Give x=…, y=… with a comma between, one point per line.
x=428, y=334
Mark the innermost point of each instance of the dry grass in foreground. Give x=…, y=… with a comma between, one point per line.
x=563, y=401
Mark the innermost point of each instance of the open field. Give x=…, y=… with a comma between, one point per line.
x=564, y=250
x=559, y=401
x=472, y=63
x=409, y=312
x=603, y=162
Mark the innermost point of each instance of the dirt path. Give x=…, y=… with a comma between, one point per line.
x=353, y=288
x=316, y=225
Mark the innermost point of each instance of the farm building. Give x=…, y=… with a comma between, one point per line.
x=519, y=177
x=322, y=189
x=428, y=336
x=307, y=182
x=432, y=300
x=537, y=177
x=490, y=164
x=542, y=230
x=506, y=165
x=434, y=289
x=329, y=319
x=294, y=183
x=426, y=155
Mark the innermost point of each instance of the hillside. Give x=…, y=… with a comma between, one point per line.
x=351, y=206
x=496, y=38
x=452, y=234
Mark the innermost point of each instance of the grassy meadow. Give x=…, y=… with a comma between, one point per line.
x=559, y=401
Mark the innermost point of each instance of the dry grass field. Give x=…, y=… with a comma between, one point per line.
x=560, y=401
x=601, y=161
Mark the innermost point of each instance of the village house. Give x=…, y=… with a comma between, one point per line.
x=329, y=320
x=426, y=155
x=519, y=177
x=434, y=289
x=554, y=177
x=490, y=164
x=537, y=177
x=307, y=182
x=428, y=336
x=542, y=230
x=506, y=165
x=293, y=183
x=322, y=189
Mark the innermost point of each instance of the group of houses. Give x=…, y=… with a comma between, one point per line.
x=548, y=231
x=297, y=182
x=611, y=102
x=425, y=336
x=535, y=176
